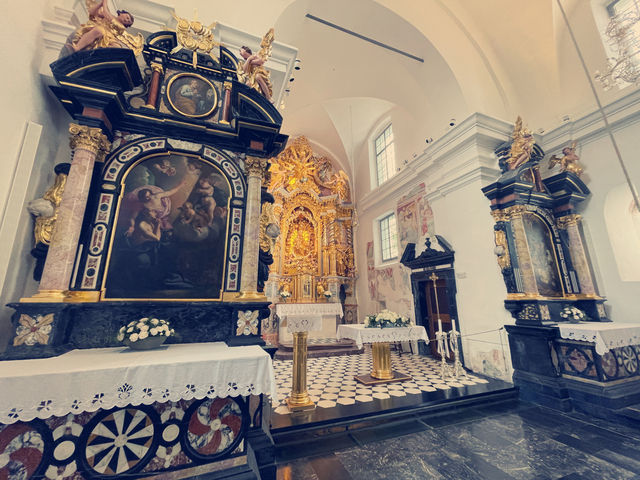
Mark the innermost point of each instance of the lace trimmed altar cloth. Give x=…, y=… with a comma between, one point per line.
x=605, y=335
x=102, y=378
x=305, y=317
x=362, y=334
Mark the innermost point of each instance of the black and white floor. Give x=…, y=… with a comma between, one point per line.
x=330, y=380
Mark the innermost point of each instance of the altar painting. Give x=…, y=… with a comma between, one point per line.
x=192, y=95
x=543, y=257
x=170, y=234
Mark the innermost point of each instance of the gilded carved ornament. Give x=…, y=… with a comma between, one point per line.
x=193, y=35
x=251, y=71
x=256, y=166
x=568, y=220
x=502, y=249
x=89, y=138
x=522, y=146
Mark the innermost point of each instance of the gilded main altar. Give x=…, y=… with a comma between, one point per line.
x=313, y=256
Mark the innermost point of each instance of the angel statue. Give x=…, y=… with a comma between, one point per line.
x=569, y=160
x=252, y=72
x=522, y=146
x=105, y=30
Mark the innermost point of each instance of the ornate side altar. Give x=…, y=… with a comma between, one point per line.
x=543, y=258
x=313, y=256
x=379, y=339
x=158, y=215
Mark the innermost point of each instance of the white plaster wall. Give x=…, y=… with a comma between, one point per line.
x=28, y=160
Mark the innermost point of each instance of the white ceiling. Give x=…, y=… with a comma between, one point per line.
x=500, y=57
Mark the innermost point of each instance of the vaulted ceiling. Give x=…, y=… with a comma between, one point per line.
x=500, y=57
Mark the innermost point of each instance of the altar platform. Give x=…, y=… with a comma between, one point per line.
x=342, y=403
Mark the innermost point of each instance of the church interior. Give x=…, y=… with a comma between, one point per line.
x=309, y=240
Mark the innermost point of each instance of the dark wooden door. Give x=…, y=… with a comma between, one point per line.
x=437, y=306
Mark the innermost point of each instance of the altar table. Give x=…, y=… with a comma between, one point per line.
x=301, y=319
x=379, y=339
x=605, y=335
x=119, y=412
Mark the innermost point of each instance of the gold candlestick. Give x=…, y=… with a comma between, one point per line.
x=299, y=399
x=381, y=361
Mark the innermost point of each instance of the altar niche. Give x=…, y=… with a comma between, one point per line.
x=169, y=238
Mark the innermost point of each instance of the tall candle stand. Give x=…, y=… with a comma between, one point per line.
x=442, y=342
x=454, y=335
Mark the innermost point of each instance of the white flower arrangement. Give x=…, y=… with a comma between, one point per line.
x=285, y=294
x=327, y=293
x=386, y=319
x=144, y=328
x=573, y=314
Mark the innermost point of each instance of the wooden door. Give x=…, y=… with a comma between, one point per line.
x=435, y=309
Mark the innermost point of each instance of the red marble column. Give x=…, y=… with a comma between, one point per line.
x=152, y=99
x=226, y=106
x=88, y=145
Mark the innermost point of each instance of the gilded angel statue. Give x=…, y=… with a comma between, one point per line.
x=569, y=160
x=252, y=72
x=522, y=146
x=105, y=30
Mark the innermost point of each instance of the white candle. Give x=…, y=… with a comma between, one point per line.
x=439, y=325
x=453, y=325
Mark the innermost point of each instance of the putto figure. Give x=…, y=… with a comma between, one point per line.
x=252, y=72
x=104, y=30
x=570, y=162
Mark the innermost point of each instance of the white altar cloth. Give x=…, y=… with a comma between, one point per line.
x=362, y=334
x=306, y=317
x=606, y=335
x=88, y=380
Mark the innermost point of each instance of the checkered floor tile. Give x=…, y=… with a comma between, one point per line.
x=330, y=379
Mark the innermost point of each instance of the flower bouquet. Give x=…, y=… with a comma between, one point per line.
x=327, y=294
x=573, y=314
x=386, y=319
x=284, y=295
x=145, y=334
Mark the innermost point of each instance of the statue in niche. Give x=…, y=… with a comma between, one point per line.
x=104, y=30
x=569, y=162
x=252, y=72
x=522, y=146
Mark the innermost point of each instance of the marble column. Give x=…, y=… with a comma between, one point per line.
x=527, y=275
x=89, y=145
x=255, y=169
x=579, y=259
x=226, y=106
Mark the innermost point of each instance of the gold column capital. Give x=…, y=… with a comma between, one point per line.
x=227, y=85
x=89, y=138
x=568, y=220
x=256, y=166
x=499, y=216
x=515, y=211
x=157, y=67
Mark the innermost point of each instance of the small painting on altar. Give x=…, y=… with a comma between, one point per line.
x=170, y=233
x=543, y=256
x=192, y=95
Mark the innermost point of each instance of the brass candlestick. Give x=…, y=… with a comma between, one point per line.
x=299, y=399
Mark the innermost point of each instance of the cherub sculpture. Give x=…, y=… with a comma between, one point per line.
x=522, y=146
x=252, y=72
x=105, y=30
x=569, y=162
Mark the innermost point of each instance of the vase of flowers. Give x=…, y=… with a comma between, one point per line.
x=285, y=295
x=327, y=294
x=145, y=334
x=386, y=319
x=573, y=314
